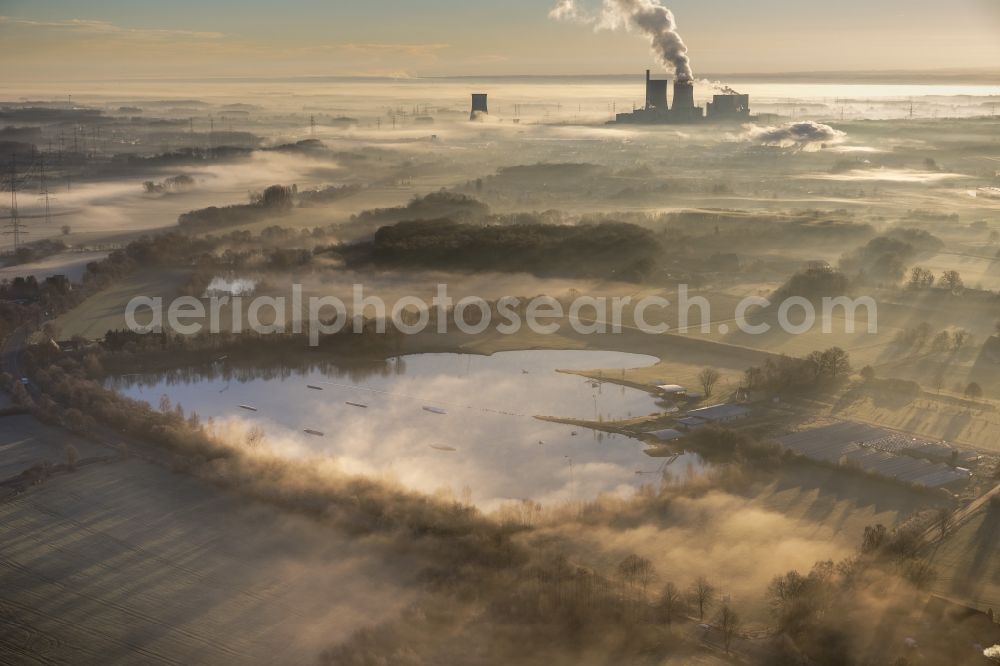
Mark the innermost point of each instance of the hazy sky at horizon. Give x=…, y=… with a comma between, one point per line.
x=100, y=39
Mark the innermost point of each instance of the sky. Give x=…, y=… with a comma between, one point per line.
x=107, y=39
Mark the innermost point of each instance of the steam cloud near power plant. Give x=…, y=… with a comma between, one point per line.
x=806, y=135
x=648, y=16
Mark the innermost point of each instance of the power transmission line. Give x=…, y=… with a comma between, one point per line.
x=14, y=224
x=43, y=189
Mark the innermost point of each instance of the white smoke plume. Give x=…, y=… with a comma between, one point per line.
x=806, y=135
x=650, y=17
x=566, y=10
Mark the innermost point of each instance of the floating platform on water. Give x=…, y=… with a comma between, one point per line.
x=314, y=388
x=434, y=410
x=316, y=433
x=447, y=449
x=248, y=408
x=356, y=404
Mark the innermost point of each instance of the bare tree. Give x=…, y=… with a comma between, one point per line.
x=921, y=278
x=941, y=342
x=636, y=571
x=961, y=339
x=728, y=622
x=938, y=381
x=874, y=538
x=702, y=594
x=709, y=377
x=836, y=362
x=944, y=520
x=919, y=573
x=831, y=364
x=816, y=364
x=671, y=602
x=952, y=280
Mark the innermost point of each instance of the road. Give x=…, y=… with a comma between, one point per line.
x=933, y=533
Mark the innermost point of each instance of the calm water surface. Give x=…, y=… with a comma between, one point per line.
x=477, y=436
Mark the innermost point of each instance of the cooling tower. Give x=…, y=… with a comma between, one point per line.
x=656, y=94
x=683, y=98
x=478, y=105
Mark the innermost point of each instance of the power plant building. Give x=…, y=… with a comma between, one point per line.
x=729, y=105
x=725, y=107
x=656, y=94
x=478, y=105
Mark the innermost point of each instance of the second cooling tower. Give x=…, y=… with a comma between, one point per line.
x=683, y=98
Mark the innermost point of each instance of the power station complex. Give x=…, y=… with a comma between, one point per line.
x=728, y=106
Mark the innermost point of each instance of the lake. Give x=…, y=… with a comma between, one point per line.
x=454, y=423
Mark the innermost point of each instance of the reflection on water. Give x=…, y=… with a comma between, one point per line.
x=459, y=422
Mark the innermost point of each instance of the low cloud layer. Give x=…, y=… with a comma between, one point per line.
x=805, y=135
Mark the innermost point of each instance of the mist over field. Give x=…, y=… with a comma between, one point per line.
x=392, y=343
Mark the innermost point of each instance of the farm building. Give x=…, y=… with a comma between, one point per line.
x=878, y=451
x=691, y=423
x=725, y=413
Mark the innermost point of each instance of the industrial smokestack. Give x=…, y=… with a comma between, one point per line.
x=683, y=97
x=478, y=106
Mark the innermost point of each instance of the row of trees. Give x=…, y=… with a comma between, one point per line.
x=273, y=200
x=917, y=338
x=24, y=299
x=433, y=206
x=785, y=372
x=672, y=603
x=922, y=278
x=818, y=612
x=884, y=258
x=607, y=250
